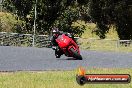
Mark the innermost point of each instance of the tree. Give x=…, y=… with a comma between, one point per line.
x=21, y=8
x=111, y=12
x=49, y=14
x=66, y=19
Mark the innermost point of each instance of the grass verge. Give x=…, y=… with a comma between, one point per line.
x=110, y=43
x=57, y=79
x=104, y=45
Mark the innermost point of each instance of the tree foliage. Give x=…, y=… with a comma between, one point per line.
x=66, y=19
x=49, y=14
x=111, y=12
x=62, y=13
x=8, y=23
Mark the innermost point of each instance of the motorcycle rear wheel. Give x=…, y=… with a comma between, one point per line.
x=75, y=54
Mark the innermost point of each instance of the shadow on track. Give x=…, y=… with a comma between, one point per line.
x=68, y=58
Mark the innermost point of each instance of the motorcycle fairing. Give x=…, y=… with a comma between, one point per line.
x=66, y=43
x=63, y=41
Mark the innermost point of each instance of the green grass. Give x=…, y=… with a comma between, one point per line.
x=112, y=34
x=57, y=79
x=103, y=45
x=100, y=44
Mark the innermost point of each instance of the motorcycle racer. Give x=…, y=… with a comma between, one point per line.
x=55, y=34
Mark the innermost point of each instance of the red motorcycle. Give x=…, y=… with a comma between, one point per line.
x=68, y=47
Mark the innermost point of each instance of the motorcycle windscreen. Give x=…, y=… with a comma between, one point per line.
x=63, y=41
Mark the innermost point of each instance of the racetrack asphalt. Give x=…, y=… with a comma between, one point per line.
x=39, y=59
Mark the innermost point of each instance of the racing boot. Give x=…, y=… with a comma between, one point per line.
x=57, y=52
x=57, y=55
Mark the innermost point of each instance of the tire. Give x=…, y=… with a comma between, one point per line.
x=75, y=54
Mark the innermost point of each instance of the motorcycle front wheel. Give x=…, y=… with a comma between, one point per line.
x=75, y=54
